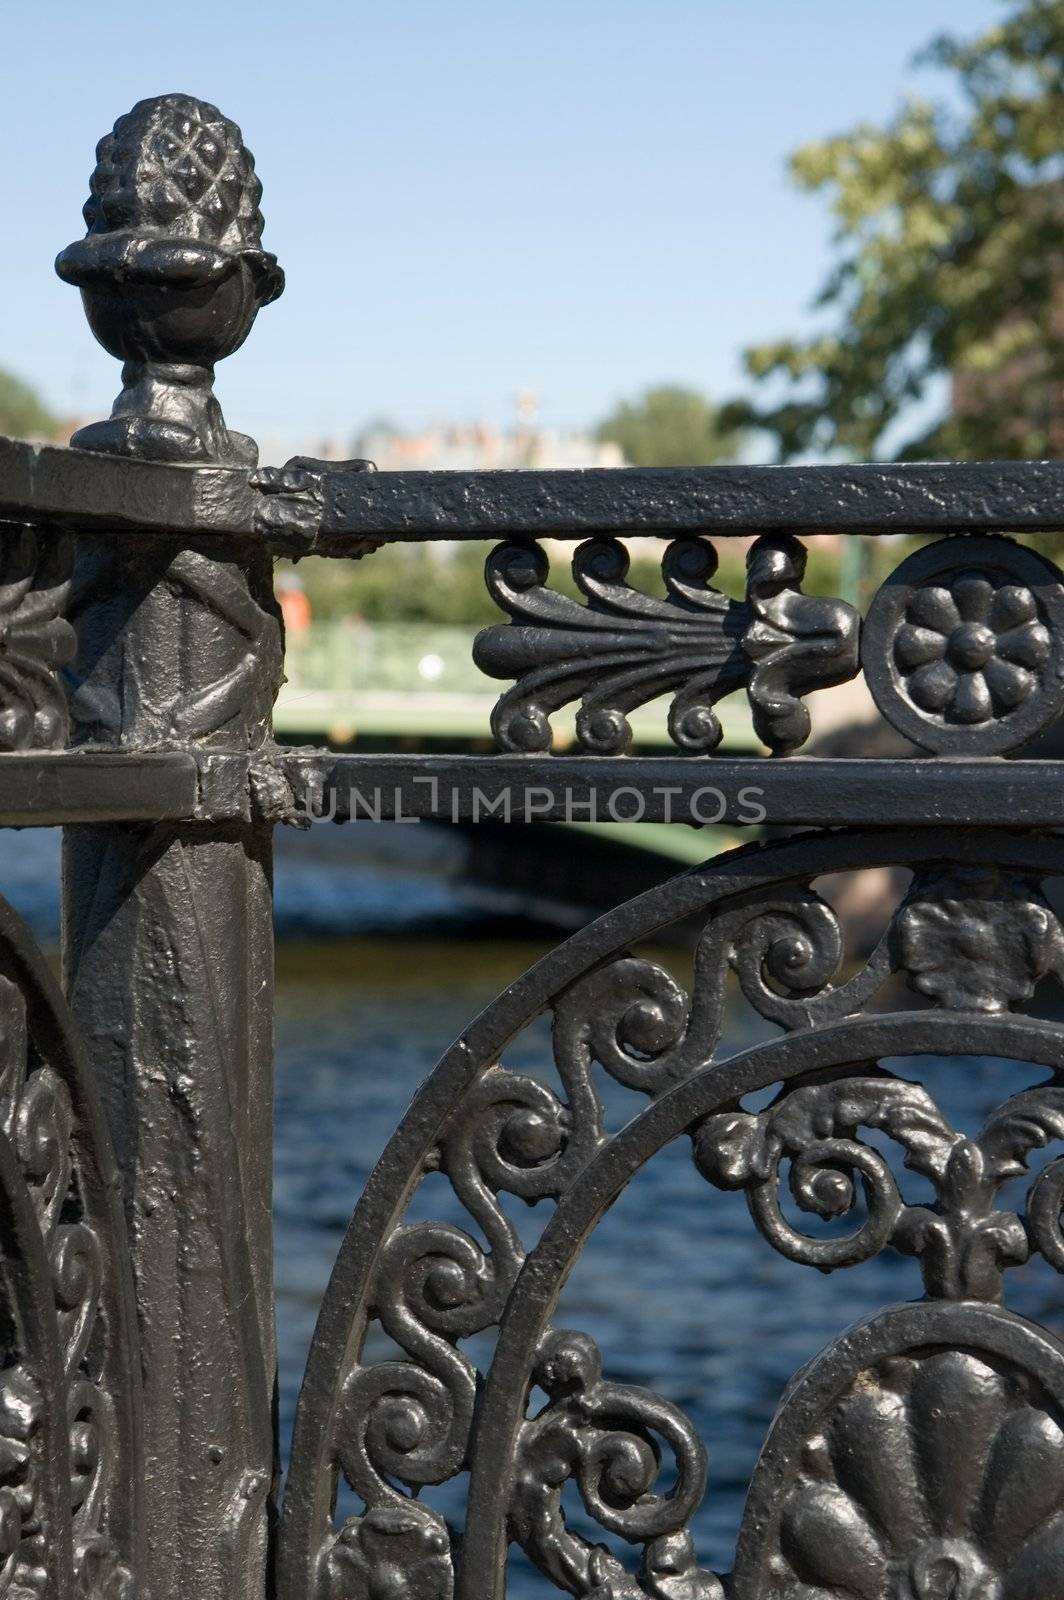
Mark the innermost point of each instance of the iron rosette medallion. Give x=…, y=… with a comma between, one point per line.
x=963, y=646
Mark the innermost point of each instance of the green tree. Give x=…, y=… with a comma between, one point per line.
x=669, y=426
x=22, y=412
x=950, y=244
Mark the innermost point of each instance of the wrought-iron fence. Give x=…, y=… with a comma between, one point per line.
x=922, y=1454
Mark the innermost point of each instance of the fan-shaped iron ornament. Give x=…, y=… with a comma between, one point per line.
x=624, y=648
x=921, y=1457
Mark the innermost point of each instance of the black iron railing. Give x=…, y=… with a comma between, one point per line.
x=922, y=1455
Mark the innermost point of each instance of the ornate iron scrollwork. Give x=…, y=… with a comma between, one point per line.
x=69, y=1410
x=922, y=1456
x=604, y=1437
x=409, y=1420
x=963, y=647
x=963, y=1243
x=969, y=936
x=400, y=1424
x=624, y=648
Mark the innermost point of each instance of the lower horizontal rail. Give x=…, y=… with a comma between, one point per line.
x=40, y=790
x=318, y=786
x=757, y=791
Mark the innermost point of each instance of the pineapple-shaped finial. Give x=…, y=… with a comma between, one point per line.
x=173, y=211
x=176, y=166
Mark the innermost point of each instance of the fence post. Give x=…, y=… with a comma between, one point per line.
x=167, y=929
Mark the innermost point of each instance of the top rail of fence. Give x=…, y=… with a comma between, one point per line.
x=331, y=509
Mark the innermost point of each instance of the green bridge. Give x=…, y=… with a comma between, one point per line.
x=413, y=686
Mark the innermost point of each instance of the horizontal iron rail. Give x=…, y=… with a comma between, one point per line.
x=101, y=493
x=42, y=789
x=719, y=500
x=794, y=793
x=87, y=786
x=79, y=786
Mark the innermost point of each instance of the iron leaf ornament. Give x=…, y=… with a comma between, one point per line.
x=36, y=640
x=624, y=648
x=964, y=1243
x=976, y=938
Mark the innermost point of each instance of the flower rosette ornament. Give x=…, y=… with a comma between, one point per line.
x=971, y=651
x=962, y=646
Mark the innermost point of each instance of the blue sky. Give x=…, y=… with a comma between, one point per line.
x=470, y=197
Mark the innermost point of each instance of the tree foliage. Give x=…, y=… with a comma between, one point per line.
x=434, y=584
x=424, y=583
x=22, y=412
x=669, y=426
x=950, y=239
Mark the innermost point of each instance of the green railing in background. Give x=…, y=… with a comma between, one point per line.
x=351, y=682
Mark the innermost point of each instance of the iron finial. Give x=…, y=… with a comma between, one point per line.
x=172, y=273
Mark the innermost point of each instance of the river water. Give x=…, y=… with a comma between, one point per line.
x=680, y=1292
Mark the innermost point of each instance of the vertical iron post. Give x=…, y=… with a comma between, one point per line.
x=167, y=929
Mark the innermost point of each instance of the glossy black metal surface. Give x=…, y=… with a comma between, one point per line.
x=956, y=937
x=623, y=648
x=167, y=937
x=921, y=1455
x=71, y=1420
x=331, y=508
